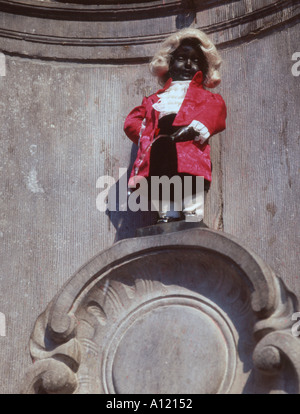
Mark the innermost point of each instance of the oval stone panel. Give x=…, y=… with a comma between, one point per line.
x=171, y=345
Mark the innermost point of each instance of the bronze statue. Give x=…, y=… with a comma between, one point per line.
x=172, y=127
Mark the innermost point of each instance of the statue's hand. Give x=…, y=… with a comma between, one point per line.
x=184, y=134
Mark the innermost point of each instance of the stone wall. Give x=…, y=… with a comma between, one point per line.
x=73, y=72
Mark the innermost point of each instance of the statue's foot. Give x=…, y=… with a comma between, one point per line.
x=192, y=217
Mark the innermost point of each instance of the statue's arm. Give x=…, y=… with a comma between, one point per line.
x=134, y=120
x=212, y=113
x=208, y=119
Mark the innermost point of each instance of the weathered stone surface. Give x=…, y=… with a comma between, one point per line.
x=69, y=85
x=183, y=312
x=129, y=32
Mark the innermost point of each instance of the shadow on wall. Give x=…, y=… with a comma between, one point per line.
x=127, y=222
x=184, y=20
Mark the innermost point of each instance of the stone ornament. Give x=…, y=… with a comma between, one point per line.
x=81, y=31
x=188, y=312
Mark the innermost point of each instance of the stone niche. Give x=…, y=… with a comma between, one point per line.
x=192, y=311
x=188, y=312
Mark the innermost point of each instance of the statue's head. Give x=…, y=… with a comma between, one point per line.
x=187, y=60
x=185, y=53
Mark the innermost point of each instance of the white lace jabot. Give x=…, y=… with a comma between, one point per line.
x=171, y=100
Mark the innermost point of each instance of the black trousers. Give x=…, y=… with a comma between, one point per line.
x=163, y=157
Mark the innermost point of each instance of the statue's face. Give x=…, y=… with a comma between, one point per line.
x=185, y=62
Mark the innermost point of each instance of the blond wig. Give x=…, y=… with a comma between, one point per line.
x=159, y=65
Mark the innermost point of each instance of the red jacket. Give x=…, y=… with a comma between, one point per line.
x=192, y=157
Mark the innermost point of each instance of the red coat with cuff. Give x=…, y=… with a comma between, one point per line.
x=192, y=157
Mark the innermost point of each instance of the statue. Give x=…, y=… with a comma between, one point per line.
x=173, y=126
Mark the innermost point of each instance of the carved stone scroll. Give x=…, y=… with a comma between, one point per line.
x=185, y=312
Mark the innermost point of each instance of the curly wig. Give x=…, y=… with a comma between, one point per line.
x=159, y=65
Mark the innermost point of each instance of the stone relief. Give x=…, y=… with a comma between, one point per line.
x=120, y=324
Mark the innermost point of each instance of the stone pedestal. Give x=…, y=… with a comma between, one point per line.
x=190, y=311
